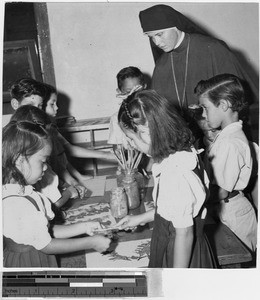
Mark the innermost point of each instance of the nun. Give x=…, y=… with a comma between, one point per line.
x=184, y=54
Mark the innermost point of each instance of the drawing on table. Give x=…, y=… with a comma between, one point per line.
x=129, y=254
x=99, y=212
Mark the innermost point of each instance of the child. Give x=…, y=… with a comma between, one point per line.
x=27, y=91
x=129, y=80
x=49, y=183
x=229, y=159
x=29, y=241
x=51, y=108
x=153, y=126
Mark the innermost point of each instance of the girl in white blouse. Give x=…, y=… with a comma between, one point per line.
x=29, y=240
x=153, y=126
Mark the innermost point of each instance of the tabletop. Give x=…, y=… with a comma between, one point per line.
x=131, y=249
x=128, y=249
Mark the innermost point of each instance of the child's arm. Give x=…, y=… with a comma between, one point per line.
x=131, y=221
x=78, y=184
x=66, y=177
x=61, y=243
x=182, y=247
x=69, y=179
x=68, y=231
x=78, y=151
x=99, y=243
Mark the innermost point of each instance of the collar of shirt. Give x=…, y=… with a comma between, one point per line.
x=16, y=189
x=233, y=127
x=181, y=159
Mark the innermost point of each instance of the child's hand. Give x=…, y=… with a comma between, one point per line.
x=71, y=181
x=129, y=222
x=101, y=243
x=84, y=177
x=91, y=227
x=81, y=190
x=73, y=191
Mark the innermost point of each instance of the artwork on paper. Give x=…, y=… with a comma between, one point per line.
x=99, y=212
x=130, y=254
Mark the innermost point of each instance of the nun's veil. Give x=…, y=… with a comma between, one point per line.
x=161, y=17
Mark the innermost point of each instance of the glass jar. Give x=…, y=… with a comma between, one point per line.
x=131, y=188
x=118, y=203
x=139, y=177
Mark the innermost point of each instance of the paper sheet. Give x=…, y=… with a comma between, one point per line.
x=99, y=212
x=130, y=254
x=95, y=186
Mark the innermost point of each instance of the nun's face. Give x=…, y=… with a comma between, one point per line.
x=165, y=39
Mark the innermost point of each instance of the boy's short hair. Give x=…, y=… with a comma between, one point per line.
x=129, y=72
x=26, y=87
x=223, y=86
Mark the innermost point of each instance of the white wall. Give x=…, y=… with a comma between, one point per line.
x=91, y=42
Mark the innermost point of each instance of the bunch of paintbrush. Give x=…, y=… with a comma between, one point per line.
x=128, y=159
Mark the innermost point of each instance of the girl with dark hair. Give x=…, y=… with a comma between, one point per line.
x=153, y=126
x=54, y=189
x=29, y=240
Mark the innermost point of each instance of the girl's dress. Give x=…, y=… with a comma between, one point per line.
x=181, y=198
x=26, y=215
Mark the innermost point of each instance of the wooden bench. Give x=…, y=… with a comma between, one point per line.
x=226, y=246
x=90, y=125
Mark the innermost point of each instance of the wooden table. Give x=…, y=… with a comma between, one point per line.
x=228, y=249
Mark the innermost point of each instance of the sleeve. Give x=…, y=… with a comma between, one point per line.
x=115, y=132
x=181, y=196
x=24, y=224
x=226, y=165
